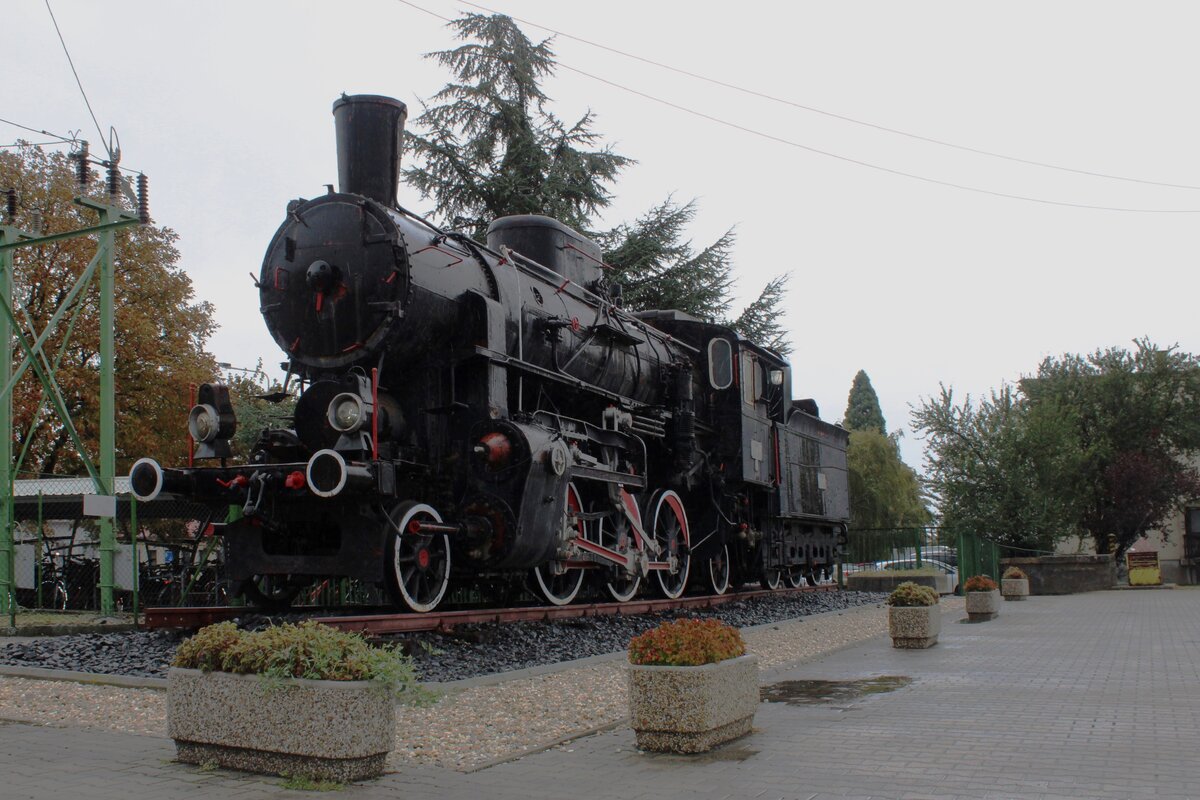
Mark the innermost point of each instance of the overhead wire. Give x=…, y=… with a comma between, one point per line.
x=78, y=82
x=831, y=114
x=837, y=156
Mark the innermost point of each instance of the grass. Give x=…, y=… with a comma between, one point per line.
x=303, y=783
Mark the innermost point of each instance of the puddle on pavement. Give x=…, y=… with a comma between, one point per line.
x=813, y=692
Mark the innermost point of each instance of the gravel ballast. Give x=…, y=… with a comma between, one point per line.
x=469, y=651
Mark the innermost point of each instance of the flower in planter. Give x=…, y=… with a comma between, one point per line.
x=914, y=619
x=687, y=643
x=980, y=583
x=691, y=686
x=911, y=595
x=1014, y=573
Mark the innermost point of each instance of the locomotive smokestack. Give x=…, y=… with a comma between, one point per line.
x=369, y=132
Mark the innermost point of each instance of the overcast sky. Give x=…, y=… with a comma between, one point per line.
x=226, y=106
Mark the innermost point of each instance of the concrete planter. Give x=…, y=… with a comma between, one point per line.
x=693, y=709
x=914, y=627
x=329, y=730
x=1014, y=588
x=982, y=606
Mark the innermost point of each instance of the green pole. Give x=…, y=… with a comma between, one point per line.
x=133, y=542
x=7, y=548
x=39, y=550
x=108, y=462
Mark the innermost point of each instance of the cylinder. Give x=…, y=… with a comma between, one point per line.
x=369, y=133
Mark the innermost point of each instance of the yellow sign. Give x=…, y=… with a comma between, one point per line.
x=1143, y=569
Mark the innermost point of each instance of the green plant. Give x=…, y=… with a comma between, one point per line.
x=1014, y=573
x=909, y=594
x=686, y=643
x=979, y=583
x=308, y=650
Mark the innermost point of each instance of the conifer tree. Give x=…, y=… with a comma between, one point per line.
x=862, y=406
x=487, y=145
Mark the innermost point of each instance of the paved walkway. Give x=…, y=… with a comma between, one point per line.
x=1088, y=696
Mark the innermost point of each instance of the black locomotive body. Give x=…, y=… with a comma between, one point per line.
x=489, y=410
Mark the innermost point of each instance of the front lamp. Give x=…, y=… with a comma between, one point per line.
x=346, y=413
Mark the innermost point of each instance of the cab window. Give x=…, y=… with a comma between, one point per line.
x=720, y=363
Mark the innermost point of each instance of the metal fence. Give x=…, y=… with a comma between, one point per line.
x=163, y=553
x=963, y=554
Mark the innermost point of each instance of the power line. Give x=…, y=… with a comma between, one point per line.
x=77, y=81
x=52, y=143
x=834, y=115
x=69, y=139
x=869, y=164
x=829, y=154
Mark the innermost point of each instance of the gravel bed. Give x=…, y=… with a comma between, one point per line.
x=474, y=650
x=469, y=651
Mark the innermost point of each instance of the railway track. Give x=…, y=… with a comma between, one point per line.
x=378, y=624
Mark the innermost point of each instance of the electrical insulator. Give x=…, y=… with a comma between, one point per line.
x=143, y=198
x=10, y=205
x=81, y=167
x=114, y=178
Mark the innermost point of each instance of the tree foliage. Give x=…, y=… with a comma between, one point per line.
x=255, y=414
x=487, y=145
x=884, y=491
x=161, y=327
x=862, y=406
x=1098, y=445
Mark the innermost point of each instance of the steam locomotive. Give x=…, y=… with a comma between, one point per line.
x=473, y=410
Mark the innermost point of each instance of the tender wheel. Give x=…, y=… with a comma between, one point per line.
x=670, y=530
x=418, y=564
x=270, y=592
x=718, y=571
x=771, y=578
x=810, y=578
x=562, y=588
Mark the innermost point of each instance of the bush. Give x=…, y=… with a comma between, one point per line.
x=980, y=583
x=687, y=643
x=308, y=650
x=1015, y=573
x=909, y=594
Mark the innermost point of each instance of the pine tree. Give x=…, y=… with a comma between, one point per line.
x=487, y=146
x=862, y=406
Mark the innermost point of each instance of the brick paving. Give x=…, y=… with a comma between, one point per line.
x=1085, y=696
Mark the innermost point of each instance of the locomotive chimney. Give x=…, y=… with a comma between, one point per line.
x=369, y=132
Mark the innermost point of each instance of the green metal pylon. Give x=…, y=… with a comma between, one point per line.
x=8, y=589
x=103, y=476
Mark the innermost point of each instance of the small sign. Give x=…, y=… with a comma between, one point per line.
x=1144, y=569
x=99, y=505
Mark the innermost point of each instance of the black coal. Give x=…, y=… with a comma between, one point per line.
x=469, y=651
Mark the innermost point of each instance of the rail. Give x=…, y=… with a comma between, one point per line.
x=379, y=624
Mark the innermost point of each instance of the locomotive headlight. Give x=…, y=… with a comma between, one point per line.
x=346, y=413
x=204, y=423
